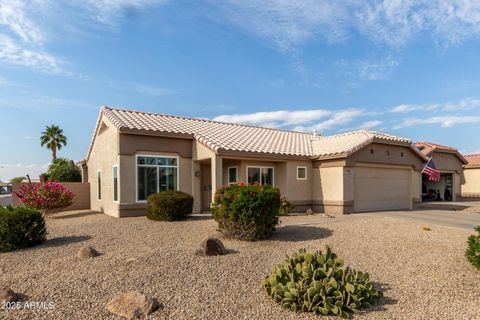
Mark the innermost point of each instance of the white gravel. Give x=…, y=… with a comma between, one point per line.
x=425, y=274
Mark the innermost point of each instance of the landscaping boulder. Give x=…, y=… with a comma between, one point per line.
x=309, y=212
x=7, y=295
x=212, y=246
x=87, y=252
x=132, y=305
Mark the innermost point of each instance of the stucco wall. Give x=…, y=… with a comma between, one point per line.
x=81, y=190
x=471, y=183
x=103, y=157
x=447, y=162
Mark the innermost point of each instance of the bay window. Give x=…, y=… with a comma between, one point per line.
x=156, y=174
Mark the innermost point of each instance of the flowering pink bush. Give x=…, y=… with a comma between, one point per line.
x=47, y=196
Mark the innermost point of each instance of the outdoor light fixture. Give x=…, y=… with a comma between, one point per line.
x=197, y=173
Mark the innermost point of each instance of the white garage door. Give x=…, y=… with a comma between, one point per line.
x=378, y=189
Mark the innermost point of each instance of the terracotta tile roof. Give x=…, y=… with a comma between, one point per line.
x=216, y=135
x=347, y=143
x=427, y=148
x=222, y=136
x=473, y=160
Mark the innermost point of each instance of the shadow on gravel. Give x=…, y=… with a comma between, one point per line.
x=383, y=302
x=300, y=233
x=61, y=241
x=75, y=215
x=200, y=217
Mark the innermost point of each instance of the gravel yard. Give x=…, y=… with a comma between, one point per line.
x=425, y=275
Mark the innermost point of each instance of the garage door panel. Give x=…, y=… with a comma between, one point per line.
x=381, y=189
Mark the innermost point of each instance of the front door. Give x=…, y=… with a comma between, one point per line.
x=206, y=182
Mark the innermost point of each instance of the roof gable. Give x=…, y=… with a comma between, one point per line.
x=428, y=148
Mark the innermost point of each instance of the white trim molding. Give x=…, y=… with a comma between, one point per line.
x=228, y=175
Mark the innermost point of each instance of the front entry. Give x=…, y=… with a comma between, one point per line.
x=206, y=185
x=438, y=190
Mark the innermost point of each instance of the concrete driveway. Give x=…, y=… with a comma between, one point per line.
x=462, y=215
x=5, y=199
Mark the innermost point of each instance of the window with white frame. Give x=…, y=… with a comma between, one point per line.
x=99, y=185
x=261, y=175
x=115, y=182
x=301, y=173
x=232, y=175
x=156, y=174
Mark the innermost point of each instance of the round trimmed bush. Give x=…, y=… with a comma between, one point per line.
x=318, y=282
x=473, y=250
x=247, y=212
x=169, y=206
x=21, y=228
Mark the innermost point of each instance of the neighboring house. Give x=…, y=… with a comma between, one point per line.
x=450, y=163
x=134, y=154
x=471, y=187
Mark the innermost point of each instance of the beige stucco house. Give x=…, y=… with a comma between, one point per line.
x=450, y=164
x=471, y=171
x=134, y=154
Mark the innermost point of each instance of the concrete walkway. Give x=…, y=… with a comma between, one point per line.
x=5, y=199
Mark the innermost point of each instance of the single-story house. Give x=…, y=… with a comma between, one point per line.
x=134, y=154
x=471, y=171
x=450, y=164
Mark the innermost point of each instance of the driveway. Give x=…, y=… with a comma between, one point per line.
x=461, y=215
x=5, y=199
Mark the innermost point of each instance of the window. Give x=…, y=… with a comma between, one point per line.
x=232, y=175
x=301, y=173
x=99, y=185
x=371, y=151
x=388, y=153
x=155, y=174
x=115, y=182
x=261, y=175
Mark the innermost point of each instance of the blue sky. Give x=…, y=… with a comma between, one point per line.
x=408, y=68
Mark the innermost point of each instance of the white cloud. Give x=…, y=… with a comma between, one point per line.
x=275, y=118
x=370, y=124
x=443, y=121
x=463, y=105
x=337, y=119
x=9, y=171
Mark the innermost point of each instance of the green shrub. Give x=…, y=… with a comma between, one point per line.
x=21, y=228
x=285, y=207
x=169, y=206
x=318, y=282
x=247, y=212
x=63, y=170
x=473, y=251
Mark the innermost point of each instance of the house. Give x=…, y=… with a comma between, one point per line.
x=471, y=171
x=133, y=154
x=450, y=164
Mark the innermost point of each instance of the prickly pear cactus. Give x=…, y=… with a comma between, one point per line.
x=318, y=282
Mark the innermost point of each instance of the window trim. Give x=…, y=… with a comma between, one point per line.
x=113, y=184
x=154, y=166
x=261, y=167
x=99, y=185
x=228, y=175
x=306, y=174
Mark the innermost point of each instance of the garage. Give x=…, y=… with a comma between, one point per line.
x=379, y=189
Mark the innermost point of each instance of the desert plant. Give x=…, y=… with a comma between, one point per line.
x=169, y=206
x=473, y=250
x=21, y=228
x=46, y=196
x=63, y=170
x=318, y=282
x=247, y=212
x=285, y=207
x=53, y=139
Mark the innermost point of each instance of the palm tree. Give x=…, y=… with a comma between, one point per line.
x=53, y=139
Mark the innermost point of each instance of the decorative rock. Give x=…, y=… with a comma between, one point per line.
x=87, y=252
x=132, y=305
x=7, y=295
x=212, y=247
x=309, y=212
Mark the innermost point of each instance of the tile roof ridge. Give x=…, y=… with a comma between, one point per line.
x=345, y=134
x=201, y=119
x=471, y=155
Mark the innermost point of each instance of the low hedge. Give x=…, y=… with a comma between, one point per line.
x=21, y=228
x=473, y=250
x=247, y=212
x=169, y=206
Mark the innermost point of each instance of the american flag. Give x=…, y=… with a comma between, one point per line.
x=431, y=171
